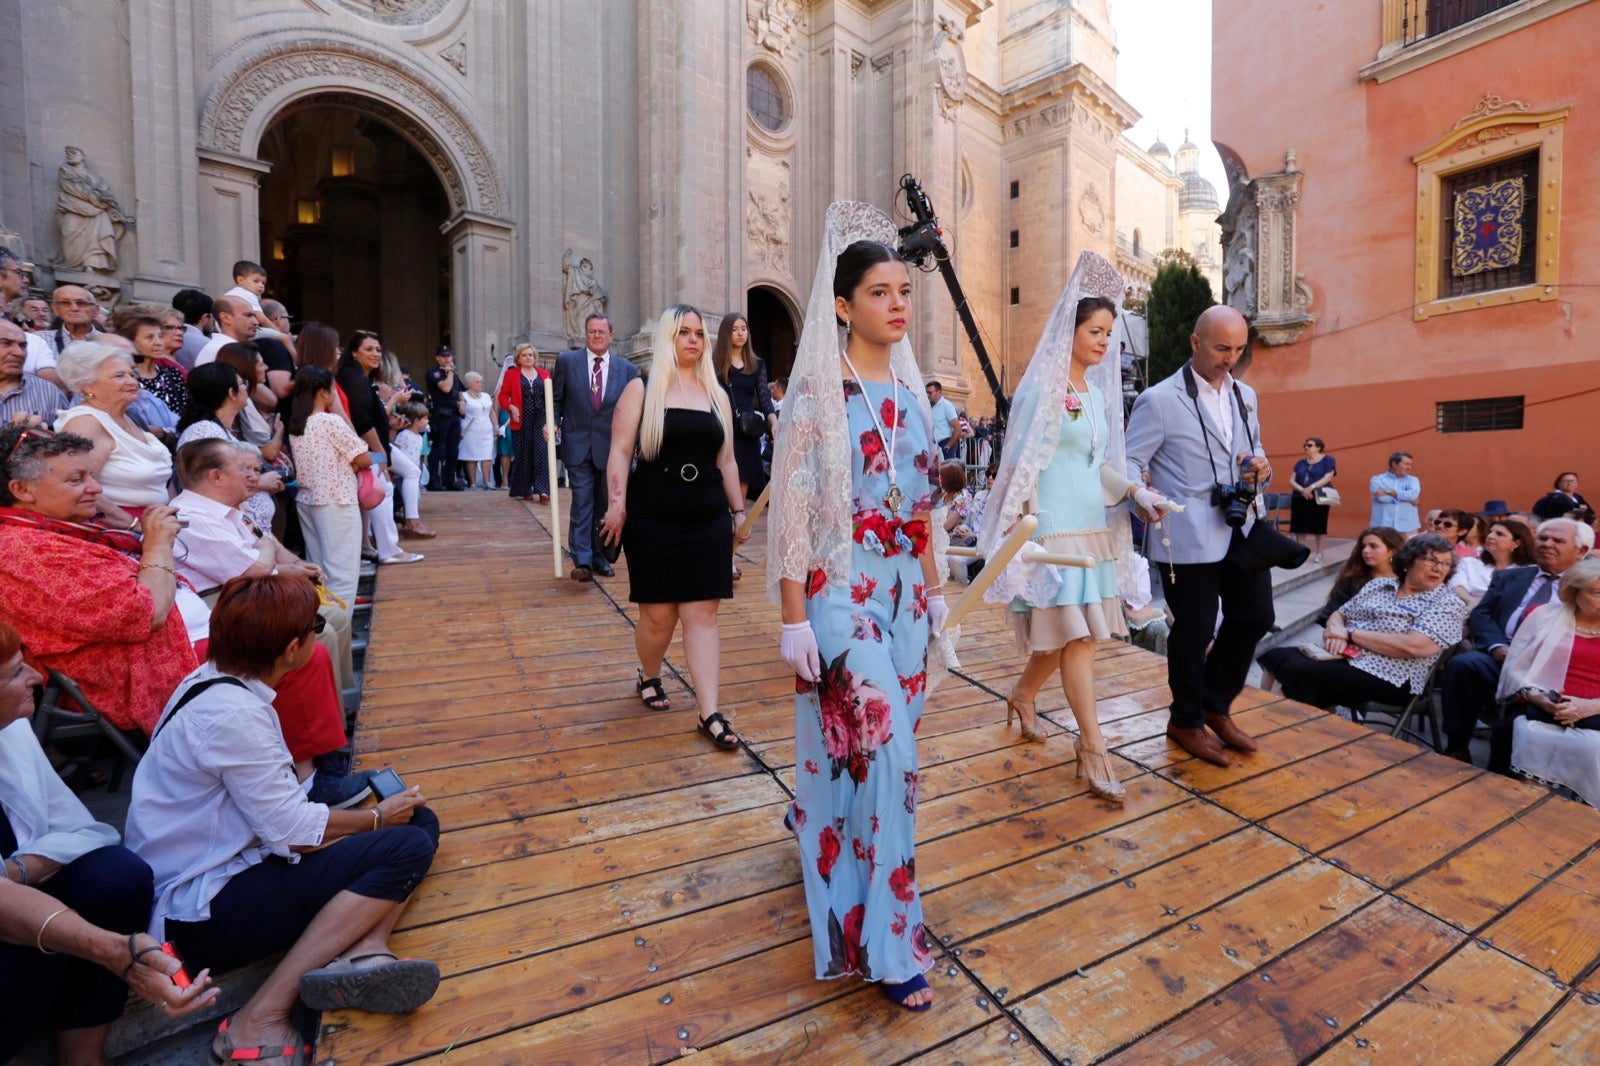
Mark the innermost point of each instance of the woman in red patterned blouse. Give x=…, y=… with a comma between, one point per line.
x=100, y=605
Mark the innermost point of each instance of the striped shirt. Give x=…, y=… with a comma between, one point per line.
x=33, y=395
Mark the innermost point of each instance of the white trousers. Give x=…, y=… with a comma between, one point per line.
x=333, y=542
x=410, y=478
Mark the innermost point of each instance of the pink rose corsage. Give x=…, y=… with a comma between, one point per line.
x=1074, y=406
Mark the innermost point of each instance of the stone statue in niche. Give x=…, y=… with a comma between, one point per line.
x=90, y=218
x=1239, y=234
x=581, y=294
x=952, y=63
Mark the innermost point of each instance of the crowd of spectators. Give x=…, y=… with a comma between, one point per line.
x=186, y=495
x=1446, y=606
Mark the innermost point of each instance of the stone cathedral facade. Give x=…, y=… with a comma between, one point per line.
x=486, y=171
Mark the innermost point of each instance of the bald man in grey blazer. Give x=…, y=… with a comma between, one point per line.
x=1192, y=432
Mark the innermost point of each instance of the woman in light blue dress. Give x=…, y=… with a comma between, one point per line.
x=1055, y=465
x=859, y=596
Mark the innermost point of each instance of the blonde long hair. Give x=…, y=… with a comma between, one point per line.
x=664, y=371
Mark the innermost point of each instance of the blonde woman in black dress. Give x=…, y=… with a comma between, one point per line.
x=676, y=513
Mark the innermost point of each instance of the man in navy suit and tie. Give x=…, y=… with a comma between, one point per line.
x=1468, y=684
x=586, y=384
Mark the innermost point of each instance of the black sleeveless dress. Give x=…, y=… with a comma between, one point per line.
x=679, y=535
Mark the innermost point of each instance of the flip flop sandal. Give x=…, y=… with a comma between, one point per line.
x=904, y=990
x=658, y=700
x=224, y=1050
x=393, y=987
x=724, y=738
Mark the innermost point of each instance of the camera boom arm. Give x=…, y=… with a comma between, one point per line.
x=924, y=239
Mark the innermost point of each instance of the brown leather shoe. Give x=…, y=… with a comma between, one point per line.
x=416, y=529
x=1230, y=734
x=1199, y=743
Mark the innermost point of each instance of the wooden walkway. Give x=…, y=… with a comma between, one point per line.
x=611, y=889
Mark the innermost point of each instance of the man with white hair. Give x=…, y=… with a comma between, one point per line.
x=1468, y=683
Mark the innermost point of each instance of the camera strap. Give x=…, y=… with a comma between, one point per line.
x=1205, y=431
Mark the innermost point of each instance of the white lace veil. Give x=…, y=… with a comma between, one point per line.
x=1034, y=429
x=810, y=511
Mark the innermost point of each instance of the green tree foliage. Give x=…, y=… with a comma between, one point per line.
x=1177, y=296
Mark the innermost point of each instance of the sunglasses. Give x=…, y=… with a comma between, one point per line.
x=1443, y=523
x=319, y=625
x=31, y=433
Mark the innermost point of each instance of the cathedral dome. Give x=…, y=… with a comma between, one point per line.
x=1197, y=194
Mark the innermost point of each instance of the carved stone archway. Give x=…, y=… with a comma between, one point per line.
x=276, y=79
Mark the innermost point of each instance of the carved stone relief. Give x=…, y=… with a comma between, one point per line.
x=1258, y=259
x=581, y=295
x=89, y=217
x=456, y=56
x=374, y=80
x=951, y=87
x=1092, y=210
x=774, y=24
x=396, y=12
x=767, y=210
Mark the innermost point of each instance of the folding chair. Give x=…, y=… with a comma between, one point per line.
x=52, y=721
x=1428, y=702
x=1277, y=505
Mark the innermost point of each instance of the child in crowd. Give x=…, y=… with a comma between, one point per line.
x=410, y=420
x=327, y=456
x=249, y=285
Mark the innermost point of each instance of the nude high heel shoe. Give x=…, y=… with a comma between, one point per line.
x=1024, y=713
x=1096, y=767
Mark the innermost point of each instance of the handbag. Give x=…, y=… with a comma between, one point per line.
x=1327, y=496
x=751, y=424
x=610, y=552
x=369, y=492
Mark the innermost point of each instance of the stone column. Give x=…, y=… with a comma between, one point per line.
x=229, y=197
x=690, y=157
x=480, y=282
x=164, y=197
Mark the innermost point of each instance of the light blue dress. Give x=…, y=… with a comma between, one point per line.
x=1072, y=521
x=855, y=802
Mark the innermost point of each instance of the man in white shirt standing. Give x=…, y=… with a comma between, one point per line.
x=236, y=324
x=946, y=422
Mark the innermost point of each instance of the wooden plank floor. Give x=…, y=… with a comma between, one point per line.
x=611, y=889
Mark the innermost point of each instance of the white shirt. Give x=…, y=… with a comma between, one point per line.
x=47, y=817
x=1219, y=401
x=40, y=354
x=208, y=354
x=605, y=369
x=215, y=795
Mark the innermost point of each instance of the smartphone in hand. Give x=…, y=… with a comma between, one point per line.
x=386, y=783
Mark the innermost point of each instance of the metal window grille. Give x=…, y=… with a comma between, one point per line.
x=1478, y=416
x=1525, y=270
x=1421, y=19
x=765, y=99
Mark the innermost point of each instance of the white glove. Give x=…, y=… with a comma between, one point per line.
x=938, y=611
x=798, y=646
x=1150, y=500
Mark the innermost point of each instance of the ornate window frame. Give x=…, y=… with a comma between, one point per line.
x=1495, y=129
x=785, y=135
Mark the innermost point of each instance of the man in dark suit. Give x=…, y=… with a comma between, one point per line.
x=586, y=384
x=1468, y=684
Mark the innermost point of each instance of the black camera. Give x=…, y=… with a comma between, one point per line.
x=1234, y=500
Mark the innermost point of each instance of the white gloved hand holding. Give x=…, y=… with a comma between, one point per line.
x=798, y=646
x=938, y=611
x=1149, y=500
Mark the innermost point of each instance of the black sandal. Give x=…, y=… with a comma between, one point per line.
x=725, y=738
x=657, y=701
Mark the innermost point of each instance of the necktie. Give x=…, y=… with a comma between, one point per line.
x=594, y=383
x=1543, y=585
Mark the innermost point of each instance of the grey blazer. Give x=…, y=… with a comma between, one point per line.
x=585, y=432
x=1165, y=438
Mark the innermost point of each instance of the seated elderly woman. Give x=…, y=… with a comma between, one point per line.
x=1550, y=686
x=1381, y=644
x=103, y=606
x=73, y=904
x=245, y=865
x=131, y=466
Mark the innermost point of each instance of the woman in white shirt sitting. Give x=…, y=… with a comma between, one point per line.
x=245, y=865
x=1507, y=543
x=135, y=467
